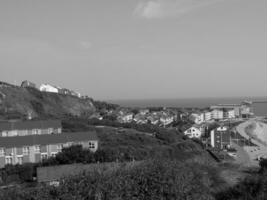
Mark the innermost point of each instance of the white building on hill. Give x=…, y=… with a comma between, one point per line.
x=194, y=131
x=48, y=88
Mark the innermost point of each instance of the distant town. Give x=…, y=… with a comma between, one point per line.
x=221, y=131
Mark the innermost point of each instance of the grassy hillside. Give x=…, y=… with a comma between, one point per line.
x=21, y=101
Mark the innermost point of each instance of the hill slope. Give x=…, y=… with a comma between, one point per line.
x=23, y=101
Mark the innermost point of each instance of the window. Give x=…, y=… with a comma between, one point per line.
x=50, y=130
x=44, y=156
x=19, y=158
x=37, y=149
x=34, y=131
x=9, y=160
x=91, y=145
x=59, y=147
x=26, y=150
x=2, y=151
x=4, y=134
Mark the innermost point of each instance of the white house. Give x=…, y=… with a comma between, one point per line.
x=165, y=120
x=48, y=88
x=217, y=114
x=197, y=118
x=193, y=132
x=125, y=118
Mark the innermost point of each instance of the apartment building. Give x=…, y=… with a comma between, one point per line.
x=221, y=137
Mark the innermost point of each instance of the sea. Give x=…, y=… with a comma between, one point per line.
x=259, y=104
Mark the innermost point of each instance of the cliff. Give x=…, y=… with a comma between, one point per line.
x=19, y=101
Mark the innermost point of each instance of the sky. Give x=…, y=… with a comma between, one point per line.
x=137, y=49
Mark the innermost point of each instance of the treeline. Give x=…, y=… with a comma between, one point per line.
x=151, y=180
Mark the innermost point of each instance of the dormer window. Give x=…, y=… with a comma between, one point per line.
x=26, y=150
x=37, y=149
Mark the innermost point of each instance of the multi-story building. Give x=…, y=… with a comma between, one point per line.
x=207, y=115
x=23, y=128
x=34, y=148
x=217, y=114
x=229, y=113
x=221, y=137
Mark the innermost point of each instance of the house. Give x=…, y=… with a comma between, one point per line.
x=23, y=128
x=194, y=131
x=144, y=111
x=125, y=118
x=34, y=148
x=76, y=94
x=166, y=120
x=221, y=137
x=64, y=91
x=197, y=118
x=29, y=84
x=153, y=118
x=48, y=88
x=140, y=119
x=217, y=114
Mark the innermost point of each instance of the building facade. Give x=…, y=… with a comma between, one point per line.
x=217, y=114
x=28, y=84
x=35, y=148
x=221, y=137
x=48, y=88
x=193, y=132
x=24, y=128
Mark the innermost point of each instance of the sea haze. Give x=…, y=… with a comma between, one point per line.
x=260, y=109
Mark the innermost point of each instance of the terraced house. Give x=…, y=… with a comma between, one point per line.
x=32, y=148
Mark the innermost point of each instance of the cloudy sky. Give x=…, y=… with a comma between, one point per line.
x=123, y=49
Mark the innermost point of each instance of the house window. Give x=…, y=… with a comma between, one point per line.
x=19, y=158
x=37, y=149
x=50, y=130
x=44, y=156
x=38, y=131
x=53, y=154
x=34, y=131
x=2, y=151
x=4, y=134
x=91, y=145
x=9, y=160
x=59, y=147
x=26, y=150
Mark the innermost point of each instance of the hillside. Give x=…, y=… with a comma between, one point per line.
x=18, y=101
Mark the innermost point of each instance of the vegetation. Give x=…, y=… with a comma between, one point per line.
x=151, y=180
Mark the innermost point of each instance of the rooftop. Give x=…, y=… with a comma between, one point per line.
x=30, y=140
x=27, y=125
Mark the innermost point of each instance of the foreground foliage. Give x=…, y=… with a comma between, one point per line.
x=151, y=180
